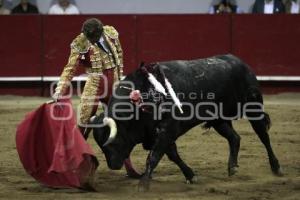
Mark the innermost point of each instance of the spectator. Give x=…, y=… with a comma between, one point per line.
x=292, y=6
x=224, y=6
x=64, y=7
x=268, y=6
x=3, y=10
x=24, y=7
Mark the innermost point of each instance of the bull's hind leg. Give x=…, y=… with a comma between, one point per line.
x=226, y=130
x=261, y=127
x=173, y=155
x=261, y=123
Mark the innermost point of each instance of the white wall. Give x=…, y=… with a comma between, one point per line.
x=142, y=6
x=246, y=5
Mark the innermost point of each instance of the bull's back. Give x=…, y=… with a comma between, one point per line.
x=224, y=76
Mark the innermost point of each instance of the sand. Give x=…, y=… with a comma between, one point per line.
x=205, y=152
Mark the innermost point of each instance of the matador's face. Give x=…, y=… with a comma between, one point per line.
x=95, y=37
x=92, y=29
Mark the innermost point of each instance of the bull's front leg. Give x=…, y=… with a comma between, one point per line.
x=161, y=145
x=152, y=162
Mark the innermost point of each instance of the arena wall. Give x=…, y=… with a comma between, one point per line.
x=35, y=47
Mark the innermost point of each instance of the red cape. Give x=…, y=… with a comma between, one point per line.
x=52, y=149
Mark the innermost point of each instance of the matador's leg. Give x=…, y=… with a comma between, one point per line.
x=92, y=92
x=88, y=106
x=88, y=103
x=131, y=172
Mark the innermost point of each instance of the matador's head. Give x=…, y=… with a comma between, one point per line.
x=92, y=29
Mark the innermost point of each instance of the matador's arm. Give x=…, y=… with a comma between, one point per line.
x=79, y=47
x=120, y=55
x=67, y=74
x=115, y=43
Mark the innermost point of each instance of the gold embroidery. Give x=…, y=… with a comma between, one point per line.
x=81, y=44
x=87, y=101
x=100, y=60
x=68, y=73
x=111, y=32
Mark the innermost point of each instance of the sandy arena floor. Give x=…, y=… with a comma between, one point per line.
x=205, y=153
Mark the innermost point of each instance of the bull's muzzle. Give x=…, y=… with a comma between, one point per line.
x=110, y=122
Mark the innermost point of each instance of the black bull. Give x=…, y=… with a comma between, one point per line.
x=222, y=82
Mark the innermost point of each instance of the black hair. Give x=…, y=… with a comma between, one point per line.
x=92, y=27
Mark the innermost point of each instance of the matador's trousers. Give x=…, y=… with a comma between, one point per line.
x=97, y=88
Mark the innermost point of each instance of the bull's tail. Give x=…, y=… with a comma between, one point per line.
x=267, y=121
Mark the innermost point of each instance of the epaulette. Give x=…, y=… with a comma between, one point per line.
x=81, y=44
x=111, y=32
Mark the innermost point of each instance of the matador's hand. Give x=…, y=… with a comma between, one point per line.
x=55, y=98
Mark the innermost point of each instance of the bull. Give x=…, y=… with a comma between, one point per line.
x=175, y=96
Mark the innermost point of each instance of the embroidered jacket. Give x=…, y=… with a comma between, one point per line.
x=94, y=57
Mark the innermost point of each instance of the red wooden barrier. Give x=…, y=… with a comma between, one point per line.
x=171, y=37
x=268, y=43
x=20, y=46
x=39, y=45
x=20, y=53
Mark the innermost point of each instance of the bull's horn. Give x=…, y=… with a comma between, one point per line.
x=113, y=129
x=92, y=119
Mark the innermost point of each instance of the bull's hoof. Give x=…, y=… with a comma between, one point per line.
x=144, y=184
x=278, y=172
x=192, y=180
x=232, y=171
x=133, y=174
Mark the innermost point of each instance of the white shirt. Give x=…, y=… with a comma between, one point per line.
x=4, y=11
x=269, y=7
x=56, y=9
x=212, y=10
x=103, y=43
x=295, y=7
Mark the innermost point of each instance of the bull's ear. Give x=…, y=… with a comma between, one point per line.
x=143, y=69
x=142, y=64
